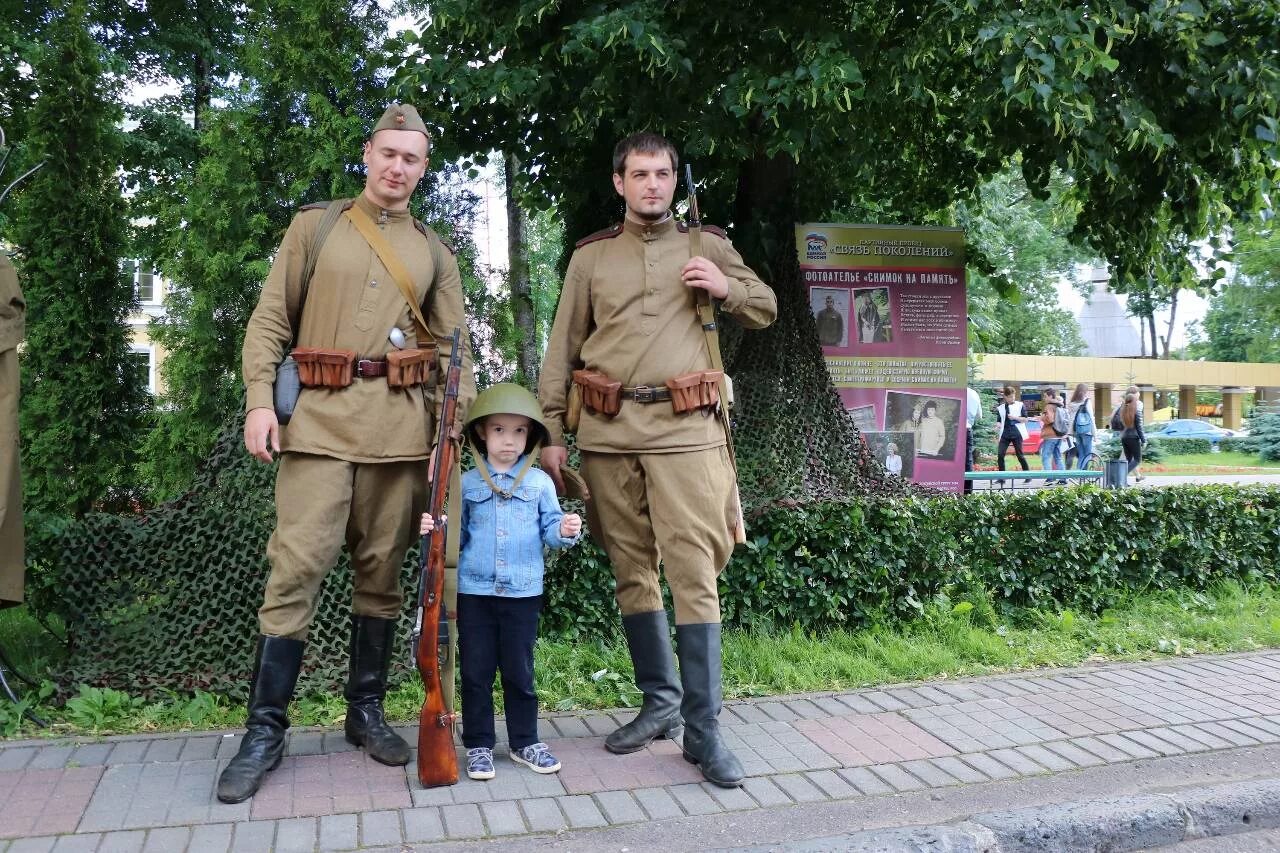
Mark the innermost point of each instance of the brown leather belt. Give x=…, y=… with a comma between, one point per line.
x=369, y=368
x=647, y=394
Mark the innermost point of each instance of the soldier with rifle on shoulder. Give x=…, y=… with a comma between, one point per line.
x=630, y=344
x=360, y=293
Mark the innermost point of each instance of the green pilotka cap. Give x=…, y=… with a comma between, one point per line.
x=401, y=117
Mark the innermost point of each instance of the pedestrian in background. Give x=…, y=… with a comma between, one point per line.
x=1050, y=438
x=972, y=414
x=1128, y=420
x=1080, y=412
x=1011, y=417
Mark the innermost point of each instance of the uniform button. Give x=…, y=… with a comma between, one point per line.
x=652, y=291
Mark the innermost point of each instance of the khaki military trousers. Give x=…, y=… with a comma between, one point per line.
x=673, y=509
x=375, y=508
x=11, y=543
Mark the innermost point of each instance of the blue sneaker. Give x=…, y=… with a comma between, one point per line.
x=480, y=763
x=537, y=758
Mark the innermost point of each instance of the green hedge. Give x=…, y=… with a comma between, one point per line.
x=1181, y=446
x=851, y=563
x=1239, y=444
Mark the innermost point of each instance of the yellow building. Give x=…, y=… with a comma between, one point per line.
x=1111, y=375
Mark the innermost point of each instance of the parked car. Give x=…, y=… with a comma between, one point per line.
x=1189, y=428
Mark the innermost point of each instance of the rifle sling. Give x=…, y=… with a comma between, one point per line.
x=394, y=265
x=707, y=317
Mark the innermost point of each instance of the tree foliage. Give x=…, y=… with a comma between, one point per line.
x=82, y=400
x=1022, y=241
x=1243, y=320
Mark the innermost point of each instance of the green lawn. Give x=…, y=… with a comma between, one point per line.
x=948, y=641
x=1198, y=464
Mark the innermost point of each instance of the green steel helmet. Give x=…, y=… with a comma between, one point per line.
x=506, y=398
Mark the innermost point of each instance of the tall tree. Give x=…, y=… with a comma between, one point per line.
x=1163, y=121
x=82, y=397
x=1243, y=320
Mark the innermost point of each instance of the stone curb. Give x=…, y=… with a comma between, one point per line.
x=1135, y=822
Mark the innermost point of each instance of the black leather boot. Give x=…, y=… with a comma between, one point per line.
x=699, y=650
x=275, y=673
x=371, y=642
x=649, y=641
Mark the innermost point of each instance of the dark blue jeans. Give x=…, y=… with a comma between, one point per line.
x=1084, y=448
x=497, y=634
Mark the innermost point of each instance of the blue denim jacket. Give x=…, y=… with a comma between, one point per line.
x=502, y=538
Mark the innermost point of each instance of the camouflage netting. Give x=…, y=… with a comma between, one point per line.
x=168, y=599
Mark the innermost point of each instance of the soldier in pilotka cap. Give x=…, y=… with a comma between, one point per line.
x=353, y=456
x=628, y=338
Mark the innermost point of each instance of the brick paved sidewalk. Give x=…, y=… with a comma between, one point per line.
x=155, y=793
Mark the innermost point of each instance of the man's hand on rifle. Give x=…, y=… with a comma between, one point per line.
x=552, y=458
x=262, y=433
x=700, y=272
x=429, y=524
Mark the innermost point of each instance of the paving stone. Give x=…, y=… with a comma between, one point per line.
x=296, y=835
x=90, y=754
x=32, y=845
x=762, y=790
x=799, y=788
x=581, y=811
x=807, y=709
x=253, y=836
x=988, y=766
x=1045, y=758
x=620, y=807
x=307, y=743
x=859, y=703
x=1220, y=731
x=77, y=843
x=1074, y=754
x=572, y=727
x=442, y=796
x=832, y=785
x=543, y=815
x=129, y=841
x=380, y=828
x=212, y=838
x=1018, y=761
x=421, y=825
x=199, y=748
x=462, y=821
x=1248, y=729
x=51, y=758
x=16, y=758
x=657, y=803
x=167, y=840
x=341, y=832
x=1155, y=744
x=1105, y=751
x=929, y=773
x=884, y=701
x=503, y=818
x=865, y=781
x=600, y=725
x=778, y=711
x=165, y=749
x=957, y=769
x=1126, y=745
x=898, y=778
x=729, y=799
x=693, y=799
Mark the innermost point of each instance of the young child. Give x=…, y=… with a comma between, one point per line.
x=509, y=510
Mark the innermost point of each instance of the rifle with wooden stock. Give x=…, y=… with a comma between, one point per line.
x=707, y=316
x=437, y=760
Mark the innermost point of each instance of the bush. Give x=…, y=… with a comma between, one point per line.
x=1109, y=448
x=850, y=563
x=1238, y=444
x=1180, y=446
x=1264, y=435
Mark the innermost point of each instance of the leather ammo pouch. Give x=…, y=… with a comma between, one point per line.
x=324, y=368
x=600, y=394
x=697, y=390
x=409, y=367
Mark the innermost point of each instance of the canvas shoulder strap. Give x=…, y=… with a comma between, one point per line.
x=332, y=210
x=394, y=265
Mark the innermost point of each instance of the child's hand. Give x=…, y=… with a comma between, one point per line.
x=570, y=525
x=429, y=523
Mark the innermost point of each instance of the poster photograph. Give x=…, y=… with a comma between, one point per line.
x=830, y=308
x=889, y=305
x=894, y=450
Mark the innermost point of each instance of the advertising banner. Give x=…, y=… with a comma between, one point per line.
x=889, y=304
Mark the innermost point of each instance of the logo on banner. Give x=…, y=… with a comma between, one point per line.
x=815, y=246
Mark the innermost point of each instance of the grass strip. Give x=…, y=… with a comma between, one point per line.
x=948, y=640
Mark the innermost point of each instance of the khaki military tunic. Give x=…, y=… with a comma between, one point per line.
x=13, y=311
x=662, y=484
x=353, y=468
